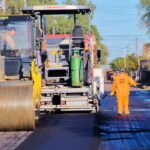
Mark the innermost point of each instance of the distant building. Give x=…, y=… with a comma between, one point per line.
x=144, y=64
x=146, y=51
x=146, y=56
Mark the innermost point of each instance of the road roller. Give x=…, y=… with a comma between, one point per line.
x=17, y=111
x=39, y=75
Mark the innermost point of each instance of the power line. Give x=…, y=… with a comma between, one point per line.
x=118, y=22
x=117, y=35
x=119, y=6
x=118, y=13
x=124, y=39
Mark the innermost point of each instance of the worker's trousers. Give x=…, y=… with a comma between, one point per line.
x=123, y=104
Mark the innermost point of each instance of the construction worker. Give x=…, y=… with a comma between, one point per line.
x=121, y=86
x=7, y=37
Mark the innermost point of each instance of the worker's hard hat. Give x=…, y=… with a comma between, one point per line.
x=86, y=49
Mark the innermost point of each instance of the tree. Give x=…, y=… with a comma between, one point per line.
x=84, y=22
x=14, y=6
x=131, y=63
x=62, y=24
x=59, y=24
x=118, y=63
x=68, y=2
x=145, y=11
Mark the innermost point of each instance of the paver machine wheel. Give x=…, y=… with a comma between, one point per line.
x=16, y=106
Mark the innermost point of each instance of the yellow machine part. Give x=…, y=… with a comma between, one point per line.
x=18, y=100
x=36, y=77
x=16, y=106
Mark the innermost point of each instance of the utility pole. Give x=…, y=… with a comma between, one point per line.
x=127, y=52
x=25, y=3
x=137, y=52
x=125, y=63
x=54, y=23
x=128, y=49
x=138, y=59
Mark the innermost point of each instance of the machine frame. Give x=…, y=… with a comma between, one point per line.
x=64, y=97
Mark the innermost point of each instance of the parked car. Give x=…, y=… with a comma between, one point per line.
x=110, y=75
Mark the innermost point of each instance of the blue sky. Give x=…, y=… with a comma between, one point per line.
x=119, y=23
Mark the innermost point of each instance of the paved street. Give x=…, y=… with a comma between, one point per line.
x=123, y=132
x=79, y=131
x=55, y=56
x=104, y=130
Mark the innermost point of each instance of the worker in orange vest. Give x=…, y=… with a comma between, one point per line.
x=121, y=86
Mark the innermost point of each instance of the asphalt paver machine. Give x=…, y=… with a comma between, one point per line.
x=37, y=78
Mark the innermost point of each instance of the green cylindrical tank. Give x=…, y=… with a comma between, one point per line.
x=76, y=69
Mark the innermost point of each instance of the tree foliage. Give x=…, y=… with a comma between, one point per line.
x=145, y=11
x=14, y=6
x=117, y=63
x=84, y=22
x=68, y=2
x=62, y=24
x=131, y=63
